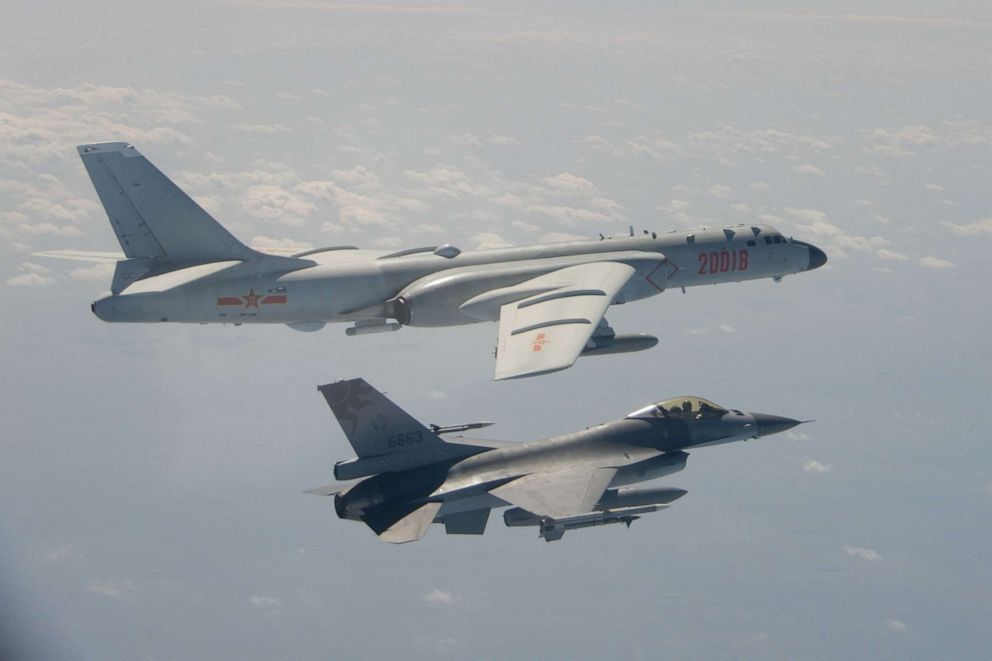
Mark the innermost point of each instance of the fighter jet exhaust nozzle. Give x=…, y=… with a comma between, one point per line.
x=772, y=424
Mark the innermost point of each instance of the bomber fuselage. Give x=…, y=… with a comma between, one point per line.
x=429, y=288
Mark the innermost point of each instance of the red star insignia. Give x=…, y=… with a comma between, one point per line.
x=251, y=299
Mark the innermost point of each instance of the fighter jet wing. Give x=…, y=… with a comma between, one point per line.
x=558, y=494
x=546, y=332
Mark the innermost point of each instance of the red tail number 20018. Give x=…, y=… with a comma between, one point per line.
x=722, y=262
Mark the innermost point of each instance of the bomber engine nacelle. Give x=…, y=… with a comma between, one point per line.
x=461, y=296
x=603, y=345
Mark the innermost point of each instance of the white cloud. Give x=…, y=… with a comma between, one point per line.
x=906, y=140
x=497, y=139
x=721, y=191
x=354, y=209
x=262, y=129
x=897, y=625
x=654, y=145
x=600, y=144
x=439, y=597
x=487, y=240
x=440, y=644
x=760, y=186
x=570, y=183
x=28, y=280
x=277, y=205
x=359, y=177
x=263, y=243
x=36, y=229
x=52, y=556
x=934, y=188
x=983, y=226
x=264, y=172
x=100, y=271
x=569, y=215
x=840, y=242
x=446, y=181
x=107, y=588
x=862, y=553
x=890, y=255
x=808, y=169
x=32, y=275
x=931, y=262
x=387, y=242
x=814, y=466
x=264, y=601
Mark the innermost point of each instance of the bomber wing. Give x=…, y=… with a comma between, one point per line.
x=546, y=332
x=558, y=494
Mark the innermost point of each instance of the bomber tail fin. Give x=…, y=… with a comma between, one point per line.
x=151, y=216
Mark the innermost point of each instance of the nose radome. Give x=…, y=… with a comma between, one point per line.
x=772, y=424
x=817, y=258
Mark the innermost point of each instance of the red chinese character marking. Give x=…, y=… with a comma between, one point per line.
x=539, y=342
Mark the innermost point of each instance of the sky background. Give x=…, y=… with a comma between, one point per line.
x=151, y=476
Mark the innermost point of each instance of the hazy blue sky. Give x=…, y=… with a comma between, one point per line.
x=151, y=476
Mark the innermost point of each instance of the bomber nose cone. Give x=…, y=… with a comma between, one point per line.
x=817, y=258
x=772, y=424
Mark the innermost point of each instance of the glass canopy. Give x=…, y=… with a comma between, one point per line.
x=681, y=407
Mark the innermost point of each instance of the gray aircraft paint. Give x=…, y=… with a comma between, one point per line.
x=183, y=266
x=417, y=474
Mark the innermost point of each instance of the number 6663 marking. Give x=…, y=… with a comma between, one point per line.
x=409, y=438
x=723, y=261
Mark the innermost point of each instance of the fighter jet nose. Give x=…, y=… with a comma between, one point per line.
x=817, y=258
x=772, y=424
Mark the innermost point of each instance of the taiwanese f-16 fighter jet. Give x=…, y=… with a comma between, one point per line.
x=180, y=265
x=412, y=477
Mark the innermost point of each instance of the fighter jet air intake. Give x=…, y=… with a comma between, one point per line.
x=180, y=265
x=411, y=477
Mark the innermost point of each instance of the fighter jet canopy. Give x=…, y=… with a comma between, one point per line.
x=681, y=407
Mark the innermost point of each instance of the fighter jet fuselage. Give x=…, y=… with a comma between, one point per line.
x=553, y=483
